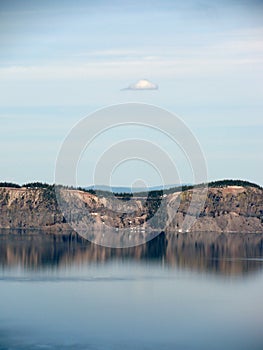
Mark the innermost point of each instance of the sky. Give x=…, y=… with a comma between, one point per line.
x=62, y=60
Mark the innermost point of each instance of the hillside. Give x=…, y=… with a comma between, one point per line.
x=228, y=208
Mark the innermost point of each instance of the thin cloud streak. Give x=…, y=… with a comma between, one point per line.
x=195, y=67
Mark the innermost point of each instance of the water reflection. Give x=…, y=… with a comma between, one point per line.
x=228, y=254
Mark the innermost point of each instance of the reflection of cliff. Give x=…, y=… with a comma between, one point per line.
x=227, y=254
x=226, y=209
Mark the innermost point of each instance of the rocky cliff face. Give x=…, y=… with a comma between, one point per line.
x=29, y=208
x=227, y=209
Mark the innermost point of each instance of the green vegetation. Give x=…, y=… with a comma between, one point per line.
x=9, y=184
x=212, y=184
x=50, y=189
x=89, y=191
x=153, y=202
x=37, y=185
x=124, y=196
x=224, y=183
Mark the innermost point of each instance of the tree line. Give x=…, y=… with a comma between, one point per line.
x=155, y=193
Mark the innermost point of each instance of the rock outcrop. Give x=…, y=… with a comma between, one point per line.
x=226, y=209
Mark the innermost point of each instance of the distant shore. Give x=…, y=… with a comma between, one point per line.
x=230, y=206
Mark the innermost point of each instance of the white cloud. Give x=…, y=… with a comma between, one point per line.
x=142, y=84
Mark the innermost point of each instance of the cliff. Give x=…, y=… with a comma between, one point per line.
x=226, y=209
x=29, y=208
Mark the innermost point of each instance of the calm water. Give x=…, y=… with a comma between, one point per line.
x=186, y=291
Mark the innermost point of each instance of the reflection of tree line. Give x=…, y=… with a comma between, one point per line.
x=232, y=254
x=221, y=253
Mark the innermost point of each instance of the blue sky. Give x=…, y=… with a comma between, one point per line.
x=61, y=60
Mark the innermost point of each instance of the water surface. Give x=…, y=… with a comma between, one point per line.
x=180, y=291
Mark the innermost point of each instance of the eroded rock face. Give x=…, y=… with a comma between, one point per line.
x=28, y=208
x=228, y=209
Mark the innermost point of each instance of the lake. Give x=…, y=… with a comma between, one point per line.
x=179, y=291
